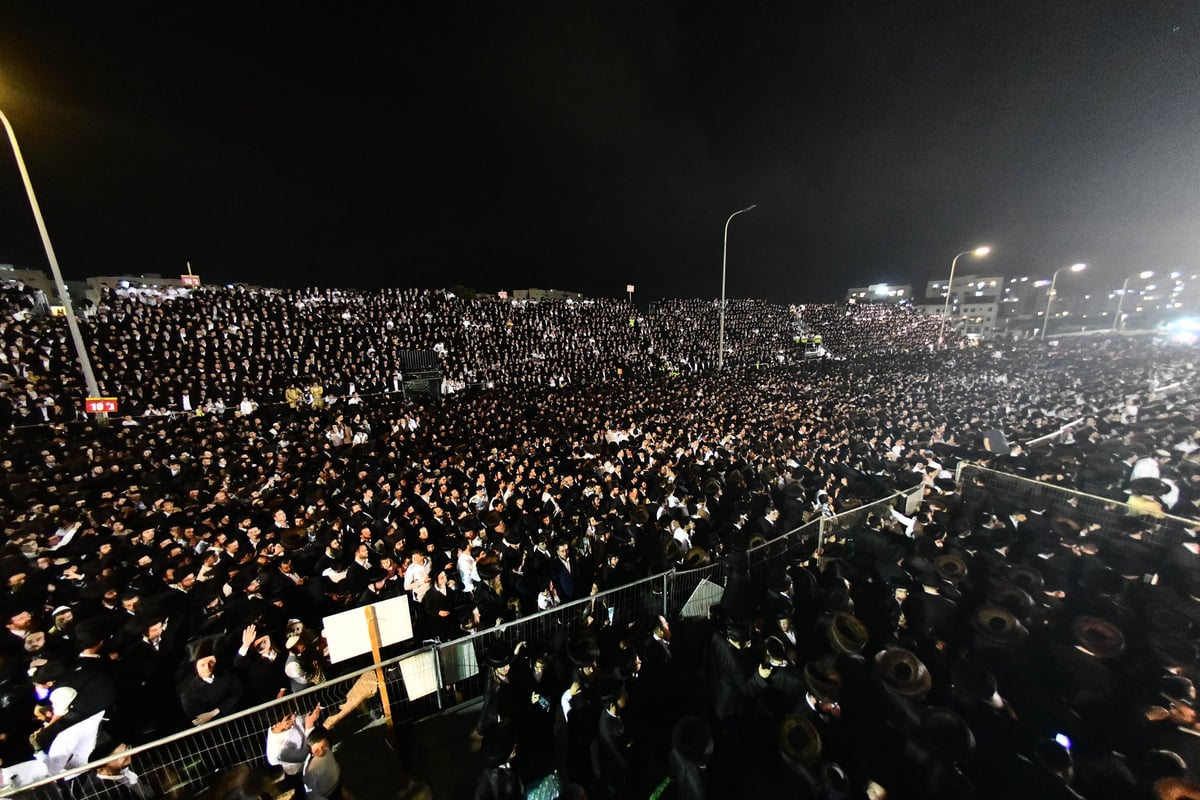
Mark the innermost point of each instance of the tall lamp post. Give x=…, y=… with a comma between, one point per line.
x=724, y=259
x=85, y=361
x=1144, y=274
x=1051, y=295
x=978, y=252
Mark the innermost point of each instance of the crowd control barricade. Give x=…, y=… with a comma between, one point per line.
x=420, y=683
x=179, y=765
x=1003, y=493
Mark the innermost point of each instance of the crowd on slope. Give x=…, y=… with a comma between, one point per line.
x=858, y=329
x=216, y=349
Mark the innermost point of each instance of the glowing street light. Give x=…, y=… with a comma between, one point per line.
x=1144, y=274
x=978, y=252
x=724, y=258
x=1051, y=294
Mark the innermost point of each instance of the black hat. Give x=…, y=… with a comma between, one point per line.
x=903, y=673
x=692, y=740
x=950, y=567
x=971, y=678
x=1027, y=578
x=1097, y=637
x=609, y=687
x=1171, y=650
x=774, y=653
x=799, y=740
x=1013, y=597
x=498, y=745
x=948, y=734
x=847, y=634
x=823, y=679
x=50, y=671
x=999, y=626
x=738, y=632
x=583, y=649
x=498, y=653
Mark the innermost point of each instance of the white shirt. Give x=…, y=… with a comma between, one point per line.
x=467, y=571
x=416, y=580
x=288, y=749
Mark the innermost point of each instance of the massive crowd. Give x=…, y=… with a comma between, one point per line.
x=165, y=571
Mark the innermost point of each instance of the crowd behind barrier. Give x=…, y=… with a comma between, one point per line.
x=139, y=553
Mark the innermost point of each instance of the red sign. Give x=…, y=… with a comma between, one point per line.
x=502, y=295
x=100, y=405
x=190, y=280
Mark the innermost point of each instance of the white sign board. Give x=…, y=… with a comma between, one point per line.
x=420, y=674
x=348, y=635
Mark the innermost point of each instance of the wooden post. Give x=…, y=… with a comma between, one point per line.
x=373, y=629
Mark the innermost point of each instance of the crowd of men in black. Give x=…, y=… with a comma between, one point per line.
x=137, y=554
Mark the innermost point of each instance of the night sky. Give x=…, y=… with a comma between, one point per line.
x=588, y=145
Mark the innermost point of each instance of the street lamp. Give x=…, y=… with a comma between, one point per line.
x=85, y=361
x=1050, y=295
x=978, y=252
x=724, y=258
x=1144, y=274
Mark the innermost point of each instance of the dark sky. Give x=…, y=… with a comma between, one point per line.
x=589, y=145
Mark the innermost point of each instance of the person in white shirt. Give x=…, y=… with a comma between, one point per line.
x=548, y=597
x=287, y=746
x=416, y=577
x=468, y=573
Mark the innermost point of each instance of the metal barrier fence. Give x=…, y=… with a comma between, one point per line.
x=1002, y=493
x=178, y=765
x=422, y=682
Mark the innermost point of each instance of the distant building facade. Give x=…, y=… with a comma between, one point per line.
x=880, y=293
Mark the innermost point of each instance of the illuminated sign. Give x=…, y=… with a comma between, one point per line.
x=190, y=280
x=100, y=405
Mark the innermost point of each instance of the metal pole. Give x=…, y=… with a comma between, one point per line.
x=85, y=361
x=946, y=306
x=1121, y=302
x=1050, y=301
x=724, y=259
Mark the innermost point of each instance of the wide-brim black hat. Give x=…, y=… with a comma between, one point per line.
x=583, y=649
x=847, y=634
x=950, y=567
x=1171, y=650
x=1097, y=637
x=498, y=653
x=498, y=745
x=1013, y=597
x=1149, y=487
x=1025, y=577
x=799, y=740
x=948, y=734
x=823, y=680
x=999, y=625
x=902, y=673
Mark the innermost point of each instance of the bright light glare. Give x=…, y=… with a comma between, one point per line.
x=1078, y=267
x=1062, y=739
x=1149, y=273
x=983, y=251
